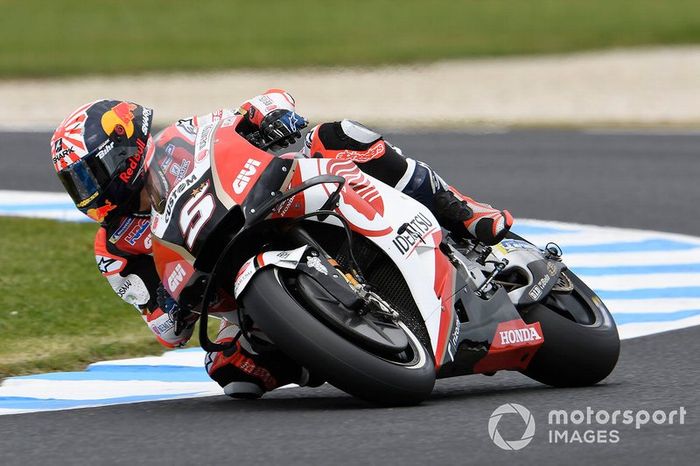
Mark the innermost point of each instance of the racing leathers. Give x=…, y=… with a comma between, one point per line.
x=123, y=247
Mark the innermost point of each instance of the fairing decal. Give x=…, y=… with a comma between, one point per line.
x=173, y=264
x=513, y=347
x=236, y=165
x=286, y=259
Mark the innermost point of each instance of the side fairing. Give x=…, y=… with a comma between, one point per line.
x=402, y=227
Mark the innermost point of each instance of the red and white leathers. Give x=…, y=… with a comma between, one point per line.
x=349, y=140
x=123, y=247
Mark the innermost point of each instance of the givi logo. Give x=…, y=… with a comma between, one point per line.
x=176, y=277
x=243, y=178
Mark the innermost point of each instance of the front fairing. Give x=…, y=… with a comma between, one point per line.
x=230, y=177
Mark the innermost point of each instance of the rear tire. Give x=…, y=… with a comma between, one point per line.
x=578, y=349
x=311, y=343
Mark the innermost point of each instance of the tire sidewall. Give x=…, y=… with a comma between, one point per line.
x=573, y=354
x=316, y=346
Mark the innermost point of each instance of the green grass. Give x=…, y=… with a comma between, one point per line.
x=67, y=37
x=56, y=311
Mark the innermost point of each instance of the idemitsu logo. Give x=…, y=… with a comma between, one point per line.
x=412, y=232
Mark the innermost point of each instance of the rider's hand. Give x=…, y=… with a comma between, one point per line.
x=183, y=320
x=272, y=121
x=281, y=127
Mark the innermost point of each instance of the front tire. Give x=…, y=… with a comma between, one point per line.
x=581, y=344
x=316, y=346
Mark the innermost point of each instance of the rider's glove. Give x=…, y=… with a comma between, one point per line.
x=183, y=320
x=271, y=120
x=280, y=128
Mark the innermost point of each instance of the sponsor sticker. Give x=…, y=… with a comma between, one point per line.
x=126, y=223
x=514, y=244
x=244, y=275
x=180, y=170
x=176, y=278
x=119, y=118
x=98, y=214
x=121, y=291
x=175, y=193
x=414, y=231
x=243, y=178
x=137, y=231
x=539, y=287
x=204, y=136
x=374, y=152
x=146, y=117
x=314, y=262
x=105, y=149
x=519, y=335
x=133, y=165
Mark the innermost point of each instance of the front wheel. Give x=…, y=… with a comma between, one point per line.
x=359, y=371
x=581, y=345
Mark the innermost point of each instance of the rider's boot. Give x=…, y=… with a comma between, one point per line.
x=243, y=373
x=464, y=216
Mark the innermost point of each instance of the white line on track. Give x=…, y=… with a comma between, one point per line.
x=651, y=258
x=651, y=306
x=637, y=281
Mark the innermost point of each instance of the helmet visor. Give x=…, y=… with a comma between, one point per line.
x=87, y=178
x=82, y=182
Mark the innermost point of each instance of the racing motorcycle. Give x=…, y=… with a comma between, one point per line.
x=358, y=282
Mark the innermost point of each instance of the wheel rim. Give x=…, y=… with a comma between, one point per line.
x=414, y=358
x=574, y=305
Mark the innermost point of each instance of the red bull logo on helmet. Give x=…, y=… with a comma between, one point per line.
x=121, y=115
x=100, y=213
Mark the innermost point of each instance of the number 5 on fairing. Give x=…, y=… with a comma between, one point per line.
x=195, y=214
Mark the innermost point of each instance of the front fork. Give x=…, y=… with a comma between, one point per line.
x=369, y=301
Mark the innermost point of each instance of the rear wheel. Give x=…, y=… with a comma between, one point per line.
x=365, y=372
x=581, y=344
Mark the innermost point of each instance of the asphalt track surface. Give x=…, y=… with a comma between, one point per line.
x=646, y=181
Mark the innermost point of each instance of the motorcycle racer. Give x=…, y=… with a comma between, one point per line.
x=101, y=153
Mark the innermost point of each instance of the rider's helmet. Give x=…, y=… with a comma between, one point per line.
x=98, y=152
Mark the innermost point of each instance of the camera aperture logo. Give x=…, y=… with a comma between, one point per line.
x=525, y=416
x=577, y=426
